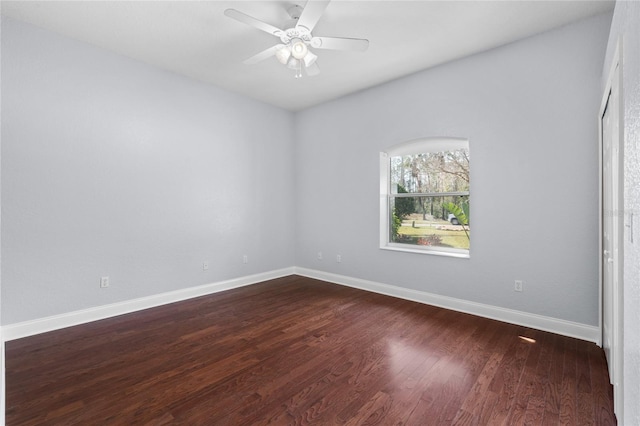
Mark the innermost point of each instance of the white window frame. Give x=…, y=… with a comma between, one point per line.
x=417, y=146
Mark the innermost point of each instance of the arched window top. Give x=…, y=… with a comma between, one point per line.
x=430, y=144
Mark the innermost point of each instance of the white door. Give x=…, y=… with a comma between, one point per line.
x=611, y=235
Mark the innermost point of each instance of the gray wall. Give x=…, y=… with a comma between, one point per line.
x=529, y=111
x=626, y=26
x=114, y=168
x=111, y=167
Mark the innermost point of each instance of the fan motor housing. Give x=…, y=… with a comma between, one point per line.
x=295, y=33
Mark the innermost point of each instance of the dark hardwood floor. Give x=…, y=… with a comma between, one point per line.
x=299, y=351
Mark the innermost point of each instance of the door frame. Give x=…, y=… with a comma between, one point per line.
x=617, y=351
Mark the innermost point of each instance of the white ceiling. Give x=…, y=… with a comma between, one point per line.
x=195, y=38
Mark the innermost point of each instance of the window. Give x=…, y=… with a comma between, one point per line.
x=424, y=197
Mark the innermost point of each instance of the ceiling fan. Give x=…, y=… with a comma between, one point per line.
x=296, y=40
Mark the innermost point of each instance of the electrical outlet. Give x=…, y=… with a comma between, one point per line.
x=518, y=285
x=339, y=258
x=104, y=282
x=319, y=255
x=245, y=259
x=205, y=266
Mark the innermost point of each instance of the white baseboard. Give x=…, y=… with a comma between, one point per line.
x=538, y=322
x=56, y=322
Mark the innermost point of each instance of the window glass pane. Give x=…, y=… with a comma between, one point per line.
x=430, y=172
x=426, y=186
x=430, y=221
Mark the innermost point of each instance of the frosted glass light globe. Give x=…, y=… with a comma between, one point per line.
x=299, y=49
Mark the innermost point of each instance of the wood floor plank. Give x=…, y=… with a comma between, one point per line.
x=553, y=386
x=602, y=389
x=528, y=385
x=474, y=403
x=297, y=351
x=534, y=413
x=569, y=390
x=585, y=401
x=506, y=383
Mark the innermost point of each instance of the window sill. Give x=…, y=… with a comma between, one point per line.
x=432, y=251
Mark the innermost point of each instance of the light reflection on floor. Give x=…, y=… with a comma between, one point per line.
x=404, y=356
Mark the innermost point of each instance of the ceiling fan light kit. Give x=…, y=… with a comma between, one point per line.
x=293, y=64
x=283, y=54
x=296, y=39
x=298, y=49
x=309, y=59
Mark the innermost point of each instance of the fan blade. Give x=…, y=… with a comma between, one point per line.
x=338, y=43
x=311, y=13
x=265, y=54
x=250, y=20
x=312, y=69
